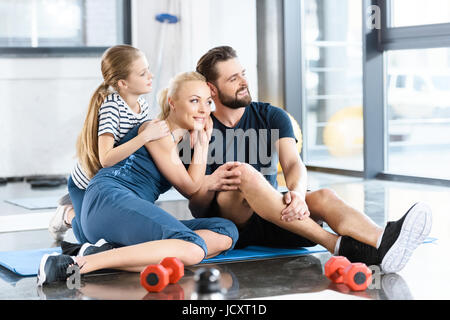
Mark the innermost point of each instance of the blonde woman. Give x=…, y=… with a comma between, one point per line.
x=119, y=202
x=116, y=107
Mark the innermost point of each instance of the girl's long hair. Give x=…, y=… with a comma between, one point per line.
x=116, y=65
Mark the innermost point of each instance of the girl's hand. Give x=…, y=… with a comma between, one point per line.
x=154, y=130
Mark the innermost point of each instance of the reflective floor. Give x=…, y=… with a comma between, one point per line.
x=287, y=278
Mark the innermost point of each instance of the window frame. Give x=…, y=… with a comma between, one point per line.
x=375, y=43
x=77, y=51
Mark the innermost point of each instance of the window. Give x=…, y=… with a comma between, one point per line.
x=418, y=12
x=419, y=113
x=31, y=25
x=401, y=81
x=419, y=84
x=405, y=63
x=333, y=53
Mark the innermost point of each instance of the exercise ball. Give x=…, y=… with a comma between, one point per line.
x=298, y=135
x=343, y=135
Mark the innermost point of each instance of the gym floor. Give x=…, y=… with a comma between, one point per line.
x=299, y=278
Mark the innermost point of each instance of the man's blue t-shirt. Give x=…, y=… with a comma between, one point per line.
x=252, y=140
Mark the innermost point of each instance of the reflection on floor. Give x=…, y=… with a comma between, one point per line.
x=283, y=278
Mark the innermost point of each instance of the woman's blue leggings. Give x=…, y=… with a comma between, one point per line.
x=116, y=214
x=76, y=195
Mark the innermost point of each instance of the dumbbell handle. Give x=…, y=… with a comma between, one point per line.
x=340, y=271
x=338, y=274
x=168, y=269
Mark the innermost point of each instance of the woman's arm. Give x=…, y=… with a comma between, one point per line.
x=165, y=154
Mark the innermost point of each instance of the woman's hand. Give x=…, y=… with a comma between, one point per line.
x=202, y=137
x=199, y=138
x=224, y=178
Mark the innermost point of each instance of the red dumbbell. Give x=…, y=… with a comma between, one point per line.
x=156, y=277
x=357, y=276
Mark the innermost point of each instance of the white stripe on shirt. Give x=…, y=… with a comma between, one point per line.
x=117, y=118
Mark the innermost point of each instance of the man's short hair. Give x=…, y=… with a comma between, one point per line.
x=207, y=64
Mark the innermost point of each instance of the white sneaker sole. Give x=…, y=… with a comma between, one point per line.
x=415, y=229
x=42, y=276
x=83, y=248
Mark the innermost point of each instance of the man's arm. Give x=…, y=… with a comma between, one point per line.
x=295, y=175
x=223, y=179
x=293, y=167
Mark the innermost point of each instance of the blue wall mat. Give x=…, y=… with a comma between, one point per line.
x=39, y=203
x=35, y=203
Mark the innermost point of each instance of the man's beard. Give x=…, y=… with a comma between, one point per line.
x=235, y=102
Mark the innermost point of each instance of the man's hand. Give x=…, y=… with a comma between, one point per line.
x=296, y=208
x=225, y=178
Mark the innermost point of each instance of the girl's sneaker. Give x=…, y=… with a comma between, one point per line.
x=54, y=268
x=100, y=246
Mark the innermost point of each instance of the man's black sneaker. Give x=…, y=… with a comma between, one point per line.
x=54, y=267
x=399, y=240
x=100, y=246
x=356, y=251
x=402, y=237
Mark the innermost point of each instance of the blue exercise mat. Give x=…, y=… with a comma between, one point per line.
x=257, y=252
x=26, y=263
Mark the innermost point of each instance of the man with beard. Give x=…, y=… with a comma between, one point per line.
x=245, y=191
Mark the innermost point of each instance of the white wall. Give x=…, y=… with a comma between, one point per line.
x=44, y=100
x=203, y=25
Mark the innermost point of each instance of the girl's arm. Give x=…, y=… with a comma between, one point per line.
x=110, y=155
x=165, y=154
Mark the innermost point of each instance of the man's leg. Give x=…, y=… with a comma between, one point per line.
x=361, y=239
x=326, y=205
x=257, y=195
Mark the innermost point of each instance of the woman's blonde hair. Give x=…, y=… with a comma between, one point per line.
x=116, y=65
x=172, y=90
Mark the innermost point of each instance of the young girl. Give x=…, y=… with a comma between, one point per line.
x=114, y=109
